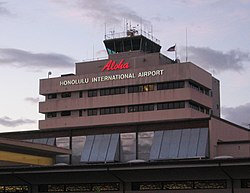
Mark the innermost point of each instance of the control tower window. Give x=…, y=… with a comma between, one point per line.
x=110, y=51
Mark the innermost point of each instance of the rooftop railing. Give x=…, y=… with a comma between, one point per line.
x=131, y=33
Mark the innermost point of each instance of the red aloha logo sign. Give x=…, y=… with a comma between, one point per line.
x=112, y=65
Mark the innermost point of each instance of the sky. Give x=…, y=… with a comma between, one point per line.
x=42, y=36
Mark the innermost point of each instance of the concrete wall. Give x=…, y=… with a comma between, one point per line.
x=221, y=130
x=234, y=149
x=171, y=72
x=216, y=97
x=123, y=118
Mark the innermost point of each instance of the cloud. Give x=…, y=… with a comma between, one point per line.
x=3, y=10
x=8, y=122
x=108, y=11
x=215, y=60
x=21, y=58
x=104, y=11
x=198, y=2
x=32, y=100
x=239, y=115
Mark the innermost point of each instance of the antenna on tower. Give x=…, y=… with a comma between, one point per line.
x=141, y=25
x=124, y=26
x=152, y=30
x=186, y=46
x=105, y=28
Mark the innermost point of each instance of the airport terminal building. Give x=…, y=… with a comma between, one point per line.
x=136, y=122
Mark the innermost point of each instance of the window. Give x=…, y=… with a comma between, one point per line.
x=90, y=187
x=51, y=114
x=52, y=96
x=92, y=112
x=194, y=106
x=210, y=184
x=65, y=113
x=148, y=87
x=132, y=89
x=112, y=110
x=92, y=93
x=112, y=91
x=139, y=108
x=18, y=188
x=245, y=183
x=140, y=88
x=199, y=107
x=170, y=85
x=134, y=108
x=193, y=85
x=80, y=94
x=65, y=94
x=180, y=185
x=199, y=88
x=171, y=105
x=63, y=142
x=182, y=104
x=147, y=186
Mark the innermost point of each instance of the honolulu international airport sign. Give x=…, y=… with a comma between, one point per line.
x=112, y=77
x=112, y=65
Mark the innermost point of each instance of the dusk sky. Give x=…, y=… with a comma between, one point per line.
x=42, y=36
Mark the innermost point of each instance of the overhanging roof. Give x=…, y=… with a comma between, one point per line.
x=129, y=172
x=18, y=146
x=15, y=152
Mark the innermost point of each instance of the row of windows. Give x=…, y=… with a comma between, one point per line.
x=63, y=95
x=139, y=108
x=121, y=109
x=135, y=89
x=112, y=91
x=180, y=185
x=141, y=88
x=245, y=183
x=170, y=85
x=79, y=187
x=112, y=110
x=136, y=186
x=199, y=88
x=17, y=188
x=198, y=107
x=63, y=114
x=171, y=105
